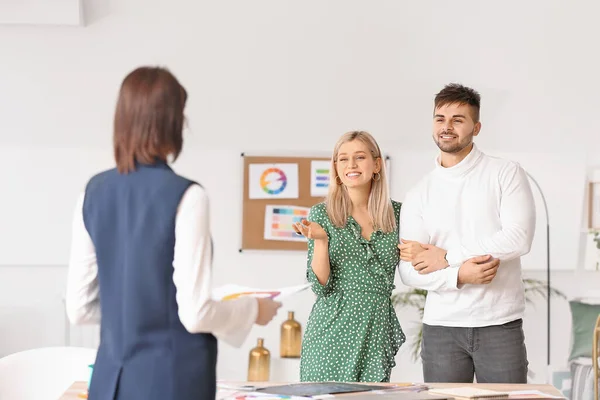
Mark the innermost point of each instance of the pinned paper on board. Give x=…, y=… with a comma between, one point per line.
x=273, y=181
x=319, y=177
x=280, y=220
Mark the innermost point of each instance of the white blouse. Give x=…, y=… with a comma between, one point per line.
x=229, y=320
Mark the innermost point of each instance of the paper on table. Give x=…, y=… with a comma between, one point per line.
x=231, y=291
x=533, y=394
x=469, y=392
x=257, y=396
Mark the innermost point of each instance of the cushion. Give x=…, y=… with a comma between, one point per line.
x=583, y=316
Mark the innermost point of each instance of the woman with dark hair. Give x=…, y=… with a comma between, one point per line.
x=141, y=257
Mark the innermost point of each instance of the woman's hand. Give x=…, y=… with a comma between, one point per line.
x=409, y=249
x=310, y=230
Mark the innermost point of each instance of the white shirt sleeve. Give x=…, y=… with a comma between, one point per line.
x=230, y=320
x=412, y=227
x=517, y=217
x=83, y=297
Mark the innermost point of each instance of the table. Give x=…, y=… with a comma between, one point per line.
x=79, y=387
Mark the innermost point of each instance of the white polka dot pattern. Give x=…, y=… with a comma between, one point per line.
x=352, y=334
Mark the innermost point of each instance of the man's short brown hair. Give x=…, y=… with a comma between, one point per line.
x=455, y=93
x=149, y=118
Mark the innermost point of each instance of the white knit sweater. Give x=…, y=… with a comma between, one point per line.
x=483, y=205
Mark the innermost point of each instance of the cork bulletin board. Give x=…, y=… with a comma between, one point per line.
x=277, y=191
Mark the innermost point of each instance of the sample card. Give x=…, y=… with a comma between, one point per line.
x=279, y=221
x=233, y=291
x=319, y=178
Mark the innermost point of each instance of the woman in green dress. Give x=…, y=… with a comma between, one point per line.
x=352, y=334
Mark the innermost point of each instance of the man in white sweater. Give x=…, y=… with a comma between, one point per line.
x=463, y=229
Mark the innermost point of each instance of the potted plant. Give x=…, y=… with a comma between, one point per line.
x=416, y=298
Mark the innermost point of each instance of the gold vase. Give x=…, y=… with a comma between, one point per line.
x=291, y=338
x=259, y=363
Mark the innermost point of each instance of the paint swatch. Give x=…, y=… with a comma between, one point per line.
x=280, y=220
x=319, y=177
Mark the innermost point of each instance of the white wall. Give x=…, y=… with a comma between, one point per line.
x=276, y=75
x=42, y=12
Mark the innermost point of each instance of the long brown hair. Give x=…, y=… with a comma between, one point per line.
x=338, y=203
x=149, y=118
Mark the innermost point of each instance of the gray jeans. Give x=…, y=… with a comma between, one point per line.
x=494, y=354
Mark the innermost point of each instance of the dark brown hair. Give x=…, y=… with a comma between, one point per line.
x=455, y=93
x=149, y=118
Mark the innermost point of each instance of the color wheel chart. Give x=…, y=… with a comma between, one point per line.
x=273, y=181
x=280, y=220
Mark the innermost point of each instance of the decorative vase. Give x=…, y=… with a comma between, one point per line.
x=291, y=338
x=259, y=363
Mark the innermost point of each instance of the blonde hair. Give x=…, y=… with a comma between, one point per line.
x=338, y=203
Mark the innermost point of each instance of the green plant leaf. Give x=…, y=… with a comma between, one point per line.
x=416, y=298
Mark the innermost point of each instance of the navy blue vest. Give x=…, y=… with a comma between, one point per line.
x=145, y=353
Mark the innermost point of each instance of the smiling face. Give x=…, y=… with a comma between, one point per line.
x=355, y=164
x=454, y=127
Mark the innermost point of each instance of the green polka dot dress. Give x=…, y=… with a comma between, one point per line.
x=352, y=334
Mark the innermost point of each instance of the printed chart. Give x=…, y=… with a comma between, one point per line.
x=279, y=221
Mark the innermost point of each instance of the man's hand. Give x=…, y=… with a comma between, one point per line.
x=479, y=270
x=430, y=260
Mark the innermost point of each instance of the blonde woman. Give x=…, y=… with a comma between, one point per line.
x=352, y=333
